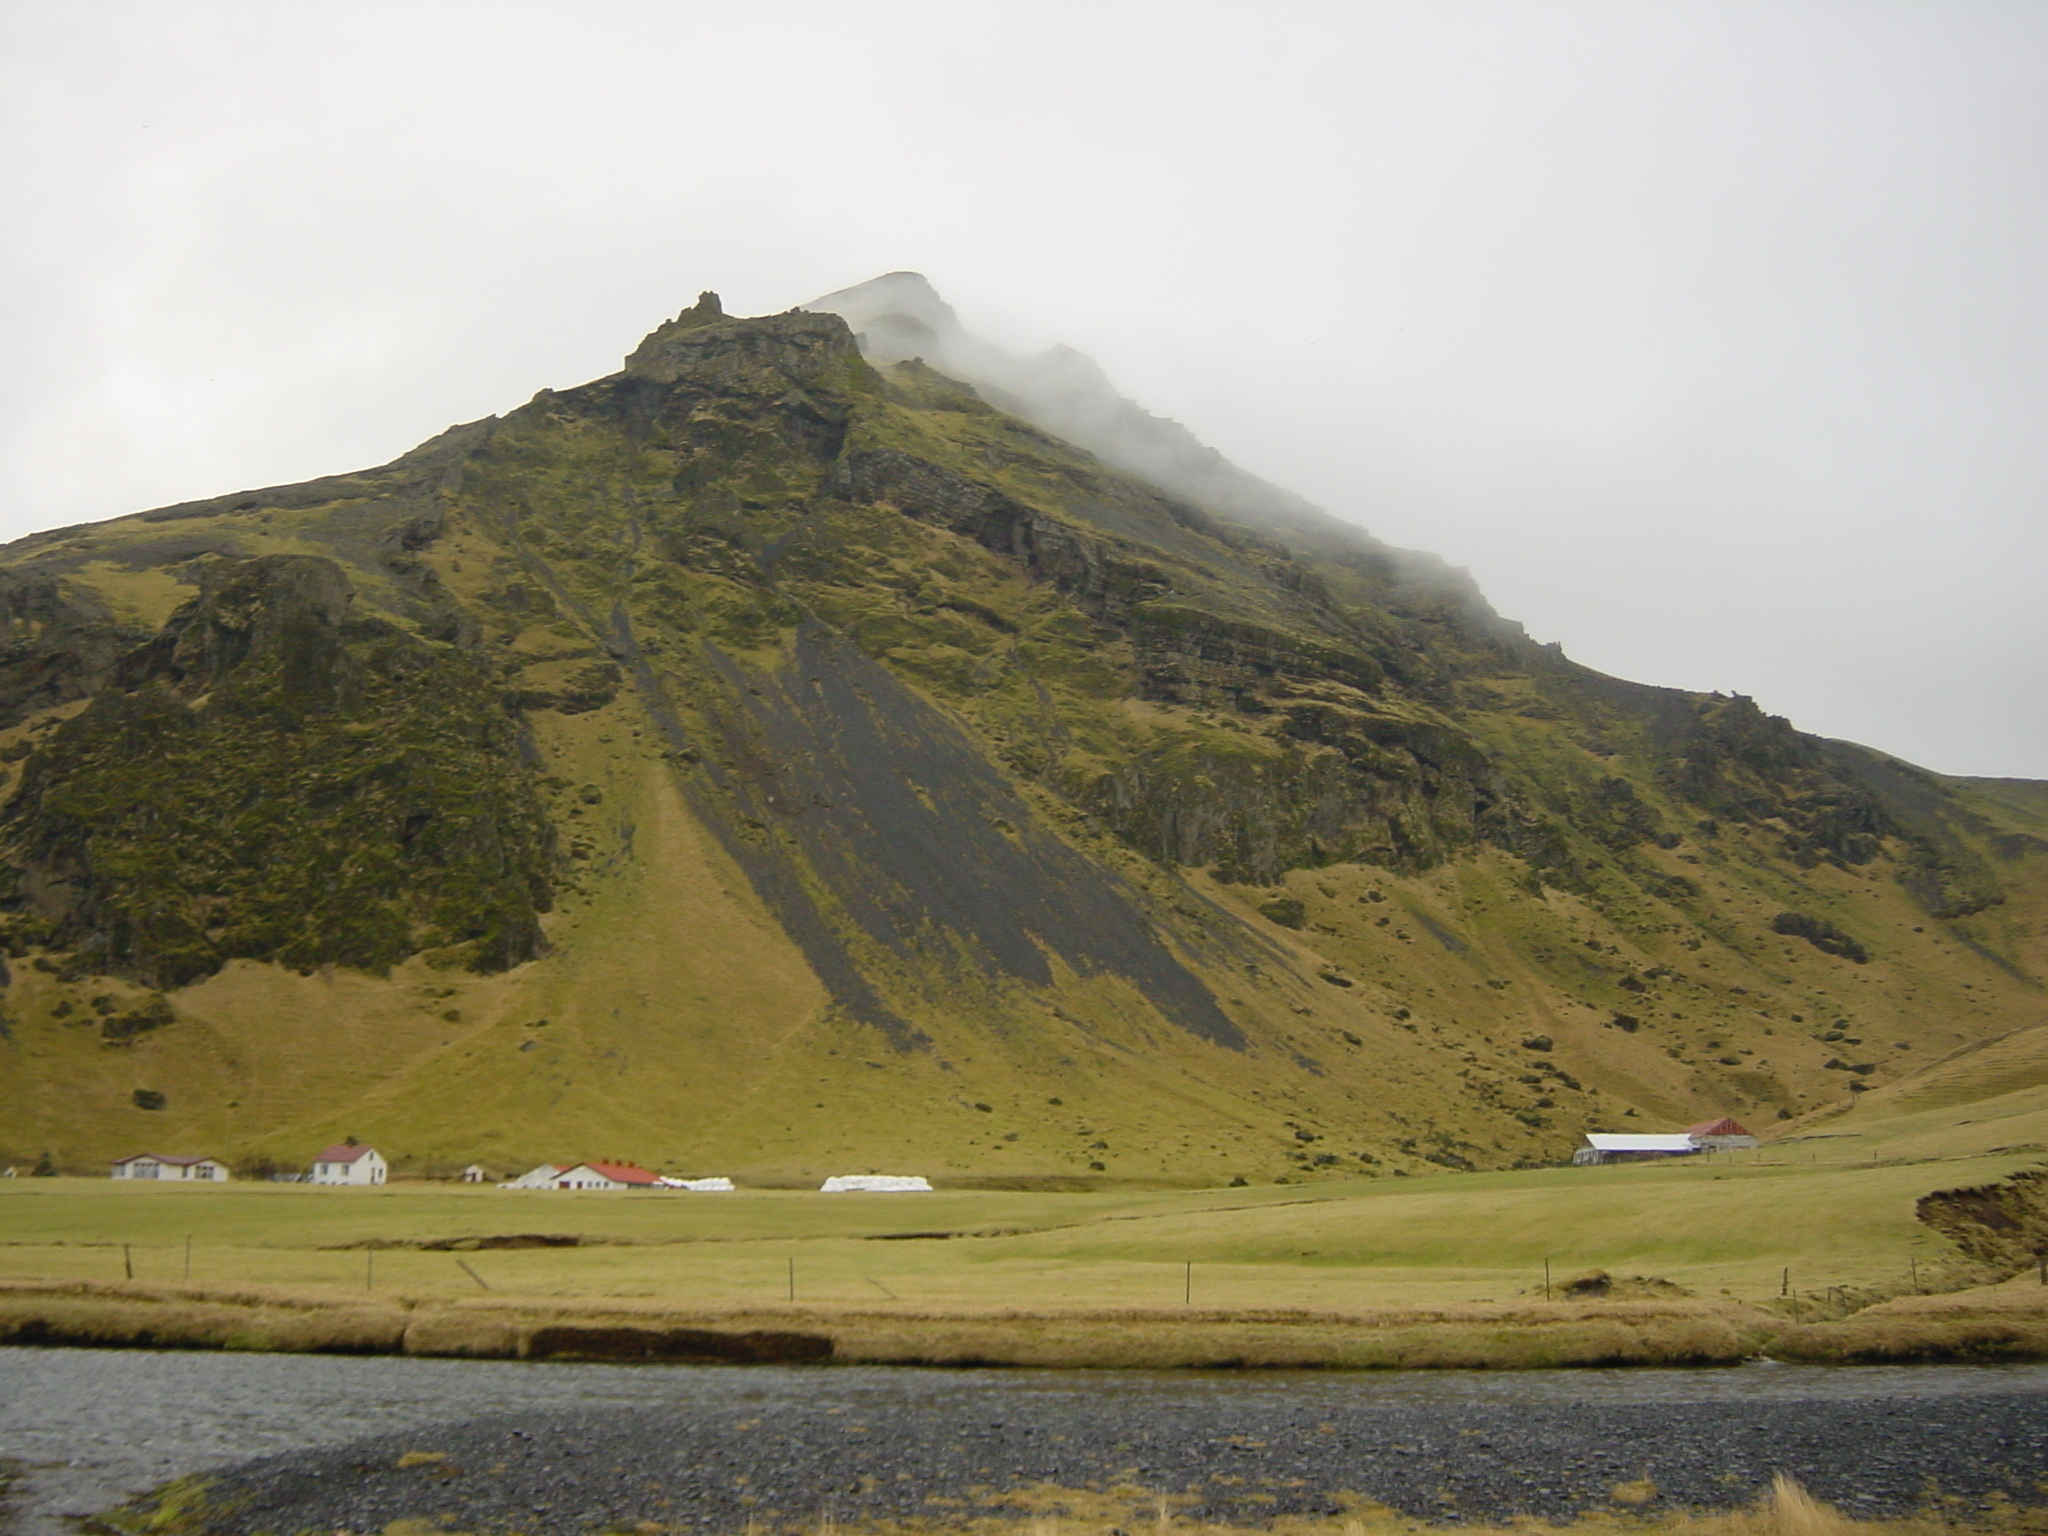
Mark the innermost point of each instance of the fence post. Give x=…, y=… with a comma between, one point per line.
x=127, y=1262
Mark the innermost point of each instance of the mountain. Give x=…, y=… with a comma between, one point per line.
x=830, y=743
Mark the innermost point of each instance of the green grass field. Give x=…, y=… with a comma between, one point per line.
x=1835, y=1211
x=1442, y=1270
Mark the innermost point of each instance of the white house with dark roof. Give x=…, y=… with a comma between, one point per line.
x=156, y=1165
x=347, y=1163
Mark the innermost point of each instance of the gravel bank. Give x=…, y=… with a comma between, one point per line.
x=1242, y=1457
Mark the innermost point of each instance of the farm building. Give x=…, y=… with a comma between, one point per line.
x=587, y=1176
x=542, y=1177
x=1719, y=1135
x=155, y=1165
x=474, y=1174
x=1723, y=1134
x=347, y=1163
x=1602, y=1147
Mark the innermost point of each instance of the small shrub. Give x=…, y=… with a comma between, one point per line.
x=1821, y=934
x=1287, y=911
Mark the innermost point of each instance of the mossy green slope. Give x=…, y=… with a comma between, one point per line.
x=760, y=762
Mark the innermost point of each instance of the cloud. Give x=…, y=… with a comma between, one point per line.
x=1708, y=335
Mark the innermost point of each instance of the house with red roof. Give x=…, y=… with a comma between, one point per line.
x=1722, y=1134
x=348, y=1162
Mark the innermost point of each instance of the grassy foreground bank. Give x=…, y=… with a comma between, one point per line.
x=2007, y=1322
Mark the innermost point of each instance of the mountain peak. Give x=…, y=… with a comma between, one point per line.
x=900, y=316
x=904, y=301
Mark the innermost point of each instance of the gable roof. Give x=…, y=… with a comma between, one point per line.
x=164, y=1157
x=1721, y=1127
x=618, y=1173
x=342, y=1152
x=1607, y=1142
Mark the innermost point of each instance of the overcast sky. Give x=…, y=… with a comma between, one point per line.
x=1712, y=337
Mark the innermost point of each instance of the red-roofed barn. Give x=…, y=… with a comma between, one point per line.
x=1723, y=1133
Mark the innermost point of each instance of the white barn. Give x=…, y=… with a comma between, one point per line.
x=1722, y=1135
x=542, y=1177
x=155, y=1165
x=347, y=1163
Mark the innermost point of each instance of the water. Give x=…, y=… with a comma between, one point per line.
x=86, y=1429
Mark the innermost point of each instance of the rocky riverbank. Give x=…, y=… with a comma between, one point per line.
x=1222, y=1458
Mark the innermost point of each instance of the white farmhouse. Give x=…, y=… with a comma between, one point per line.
x=587, y=1176
x=155, y=1165
x=347, y=1163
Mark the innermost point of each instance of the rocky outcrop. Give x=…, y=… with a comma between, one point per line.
x=57, y=643
x=273, y=777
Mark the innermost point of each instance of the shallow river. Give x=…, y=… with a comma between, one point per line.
x=82, y=1430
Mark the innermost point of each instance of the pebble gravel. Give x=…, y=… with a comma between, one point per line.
x=1243, y=1458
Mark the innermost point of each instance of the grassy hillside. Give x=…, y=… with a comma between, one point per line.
x=757, y=762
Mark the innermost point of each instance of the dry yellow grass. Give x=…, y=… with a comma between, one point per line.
x=183, y=1508
x=1786, y=1510
x=2005, y=1323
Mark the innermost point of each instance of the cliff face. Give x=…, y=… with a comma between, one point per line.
x=765, y=758
x=274, y=777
